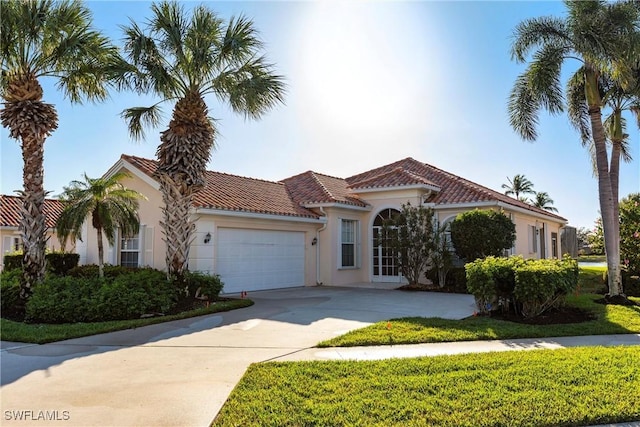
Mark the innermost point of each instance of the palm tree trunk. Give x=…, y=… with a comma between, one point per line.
x=30, y=121
x=177, y=226
x=100, y=253
x=610, y=223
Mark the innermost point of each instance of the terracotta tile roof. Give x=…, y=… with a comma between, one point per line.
x=288, y=197
x=237, y=193
x=393, y=178
x=453, y=189
x=311, y=187
x=10, y=207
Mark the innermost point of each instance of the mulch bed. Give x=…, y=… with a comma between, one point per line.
x=562, y=315
x=616, y=300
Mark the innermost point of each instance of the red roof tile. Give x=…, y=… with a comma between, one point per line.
x=311, y=187
x=10, y=207
x=237, y=193
x=231, y=192
x=453, y=189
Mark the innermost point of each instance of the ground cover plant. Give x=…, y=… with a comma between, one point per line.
x=578, y=386
x=608, y=319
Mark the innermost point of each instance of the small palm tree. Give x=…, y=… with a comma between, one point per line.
x=604, y=38
x=517, y=186
x=39, y=39
x=543, y=201
x=182, y=57
x=110, y=205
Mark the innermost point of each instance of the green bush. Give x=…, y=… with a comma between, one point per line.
x=90, y=299
x=59, y=263
x=12, y=262
x=481, y=233
x=204, y=285
x=92, y=271
x=456, y=279
x=531, y=286
x=542, y=284
x=9, y=289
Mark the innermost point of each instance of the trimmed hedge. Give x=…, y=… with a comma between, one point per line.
x=531, y=286
x=76, y=299
x=203, y=286
x=58, y=263
x=92, y=271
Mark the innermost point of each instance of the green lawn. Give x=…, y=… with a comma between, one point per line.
x=590, y=279
x=578, y=386
x=44, y=333
x=592, y=258
x=611, y=319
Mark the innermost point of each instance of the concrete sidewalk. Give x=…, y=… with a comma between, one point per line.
x=450, y=348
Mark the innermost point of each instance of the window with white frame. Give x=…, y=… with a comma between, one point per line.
x=348, y=243
x=129, y=250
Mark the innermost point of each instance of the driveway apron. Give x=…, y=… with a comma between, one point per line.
x=180, y=373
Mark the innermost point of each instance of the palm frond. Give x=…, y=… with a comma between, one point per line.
x=140, y=118
x=577, y=108
x=536, y=32
x=523, y=108
x=544, y=77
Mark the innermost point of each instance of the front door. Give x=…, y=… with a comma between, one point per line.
x=384, y=266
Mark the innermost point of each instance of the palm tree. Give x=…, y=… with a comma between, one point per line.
x=517, y=186
x=45, y=38
x=109, y=203
x=603, y=37
x=543, y=201
x=182, y=57
x=618, y=99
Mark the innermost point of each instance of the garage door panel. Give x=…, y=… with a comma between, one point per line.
x=259, y=259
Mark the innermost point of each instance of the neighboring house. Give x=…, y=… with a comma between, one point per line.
x=310, y=228
x=10, y=239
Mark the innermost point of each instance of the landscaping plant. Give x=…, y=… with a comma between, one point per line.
x=482, y=233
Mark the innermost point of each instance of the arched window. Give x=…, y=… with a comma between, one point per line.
x=383, y=262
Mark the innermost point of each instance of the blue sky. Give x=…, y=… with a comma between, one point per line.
x=368, y=83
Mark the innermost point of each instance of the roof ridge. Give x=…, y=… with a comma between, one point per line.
x=208, y=171
x=324, y=187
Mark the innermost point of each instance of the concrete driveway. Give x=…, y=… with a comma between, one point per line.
x=180, y=373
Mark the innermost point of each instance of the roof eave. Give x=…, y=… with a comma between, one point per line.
x=337, y=205
x=258, y=215
x=499, y=204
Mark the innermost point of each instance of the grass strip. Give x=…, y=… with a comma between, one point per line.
x=43, y=333
x=578, y=386
x=610, y=319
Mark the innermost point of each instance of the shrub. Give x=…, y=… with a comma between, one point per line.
x=482, y=233
x=12, y=262
x=630, y=233
x=542, y=284
x=532, y=286
x=90, y=299
x=630, y=283
x=10, y=289
x=92, y=271
x=59, y=263
x=201, y=285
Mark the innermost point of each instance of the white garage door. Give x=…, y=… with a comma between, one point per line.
x=249, y=260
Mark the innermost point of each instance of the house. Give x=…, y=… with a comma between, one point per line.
x=310, y=228
x=10, y=238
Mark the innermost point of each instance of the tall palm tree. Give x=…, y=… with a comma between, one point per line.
x=181, y=57
x=39, y=39
x=602, y=36
x=517, y=186
x=617, y=99
x=543, y=201
x=109, y=203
